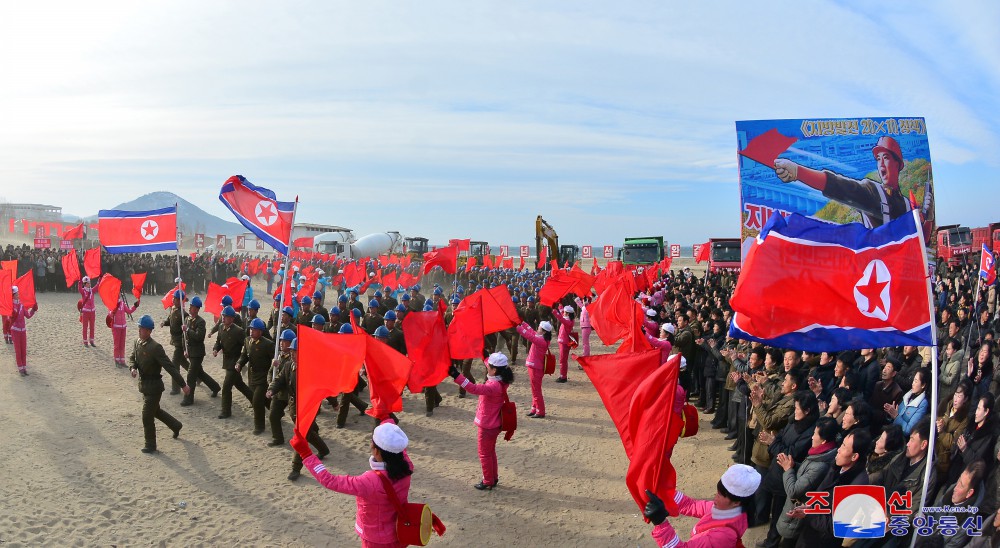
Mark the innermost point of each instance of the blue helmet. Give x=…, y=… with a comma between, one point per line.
x=346, y=329
x=335, y=311
x=254, y=304
x=381, y=332
x=438, y=291
x=428, y=306
x=373, y=304
x=317, y=295
x=196, y=301
x=390, y=315
x=258, y=323
x=514, y=299
x=227, y=300
x=405, y=297
x=287, y=335
x=531, y=299
x=524, y=295
x=356, y=313
x=288, y=310
x=353, y=290
x=229, y=311
x=460, y=290
x=455, y=300
x=318, y=318
x=400, y=308
x=416, y=287
x=343, y=299
x=378, y=294
x=179, y=294
x=306, y=300
x=294, y=345
x=146, y=322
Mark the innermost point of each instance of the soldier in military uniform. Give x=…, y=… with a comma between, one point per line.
x=353, y=301
x=416, y=299
x=277, y=390
x=226, y=301
x=258, y=352
x=285, y=380
x=372, y=320
x=318, y=307
x=194, y=330
x=351, y=398
x=146, y=362
x=230, y=342
x=389, y=303
x=306, y=312
x=529, y=314
x=176, y=325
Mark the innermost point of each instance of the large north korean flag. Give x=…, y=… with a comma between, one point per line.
x=138, y=231
x=258, y=209
x=811, y=285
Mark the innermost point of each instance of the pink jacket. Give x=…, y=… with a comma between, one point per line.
x=18, y=315
x=490, y=399
x=664, y=346
x=87, y=294
x=376, y=518
x=567, y=326
x=721, y=530
x=584, y=314
x=119, y=312
x=651, y=326
x=536, y=354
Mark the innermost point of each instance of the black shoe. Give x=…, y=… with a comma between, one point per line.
x=174, y=392
x=429, y=413
x=323, y=455
x=276, y=443
x=23, y=373
x=187, y=402
x=532, y=414
x=258, y=431
x=340, y=425
x=294, y=475
x=178, y=431
x=215, y=393
x=461, y=394
x=483, y=487
x=731, y=436
x=225, y=416
x=148, y=450
x=719, y=427
x=537, y=416
x=710, y=411
x=562, y=379
x=362, y=410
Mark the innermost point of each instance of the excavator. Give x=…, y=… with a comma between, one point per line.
x=567, y=254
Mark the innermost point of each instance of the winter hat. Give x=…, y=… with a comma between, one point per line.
x=391, y=438
x=497, y=359
x=546, y=326
x=650, y=312
x=741, y=480
x=568, y=309
x=669, y=328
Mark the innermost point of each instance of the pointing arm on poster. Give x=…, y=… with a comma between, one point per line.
x=789, y=171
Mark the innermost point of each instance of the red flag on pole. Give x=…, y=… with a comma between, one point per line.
x=427, y=346
x=594, y=269
x=6, y=298
x=446, y=258
x=555, y=287
x=92, y=263
x=328, y=365
x=470, y=263
x=138, y=280
x=71, y=267
x=9, y=265
x=703, y=252
x=611, y=313
x=543, y=255
x=26, y=289
x=462, y=245
x=521, y=265
x=465, y=332
x=388, y=371
x=74, y=233
x=109, y=289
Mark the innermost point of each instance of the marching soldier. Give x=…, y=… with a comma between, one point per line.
x=277, y=391
x=195, y=330
x=230, y=342
x=226, y=301
x=176, y=326
x=146, y=362
x=257, y=352
x=306, y=312
x=318, y=307
x=349, y=398
x=312, y=436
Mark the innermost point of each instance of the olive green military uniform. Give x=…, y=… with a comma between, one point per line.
x=279, y=395
x=530, y=316
x=196, y=356
x=312, y=436
x=148, y=359
x=258, y=353
x=322, y=311
x=230, y=342
x=174, y=322
x=305, y=317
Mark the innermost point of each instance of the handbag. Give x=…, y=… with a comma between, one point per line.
x=414, y=521
x=109, y=319
x=574, y=339
x=689, y=415
x=508, y=416
x=550, y=363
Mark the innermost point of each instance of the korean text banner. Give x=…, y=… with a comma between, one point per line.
x=841, y=170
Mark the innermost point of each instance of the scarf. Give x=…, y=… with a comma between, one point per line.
x=823, y=448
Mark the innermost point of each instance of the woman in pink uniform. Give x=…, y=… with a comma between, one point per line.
x=535, y=362
x=87, y=311
x=118, y=328
x=722, y=521
x=585, y=327
x=565, y=327
x=491, y=396
x=18, y=331
x=375, y=520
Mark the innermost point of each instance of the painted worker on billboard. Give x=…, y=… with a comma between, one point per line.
x=877, y=203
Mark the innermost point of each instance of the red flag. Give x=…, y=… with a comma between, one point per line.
x=138, y=231
x=354, y=274
x=138, y=280
x=109, y=289
x=543, y=255
x=470, y=263
x=635, y=340
x=987, y=262
x=213, y=299
x=168, y=300
x=74, y=233
x=584, y=281
x=427, y=346
x=595, y=270
x=465, y=332
x=508, y=263
x=71, y=267
x=665, y=265
x=611, y=313
x=388, y=371
x=304, y=242
x=92, y=263
x=498, y=309
x=553, y=265
x=405, y=262
x=616, y=377
x=651, y=274
x=446, y=258
x=258, y=209
x=555, y=287
x=703, y=252
x=766, y=147
x=462, y=245
x=488, y=261
x=391, y=279
x=406, y=280
x=9, y=265
x=308, y=287
x=236, y=288
x=26, y=289
x=328, y=365
x=654, y=428
x=521, y=266
x=6, y=297
x=253, y=267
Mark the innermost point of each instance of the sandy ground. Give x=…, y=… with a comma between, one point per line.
x=73, y=473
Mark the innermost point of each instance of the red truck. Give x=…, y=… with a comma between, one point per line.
x=724, y=254
x=989, y=235
x=954, y=245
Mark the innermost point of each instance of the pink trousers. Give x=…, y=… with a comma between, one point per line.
x=488, y=454
x=585, y=339
x=369, y=544
x=563, y=359
x=87, y=319
x=6, y=329
x=118, y=334
x=20, y=348
x=537, y=401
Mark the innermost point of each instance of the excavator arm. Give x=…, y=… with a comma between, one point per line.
x=544, y=231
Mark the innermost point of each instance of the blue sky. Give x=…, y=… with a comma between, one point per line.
x=468, y=119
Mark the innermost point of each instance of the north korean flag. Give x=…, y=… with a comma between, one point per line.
x=811, y=285
x=259, y=210
x=987, y=266
x=138, y=231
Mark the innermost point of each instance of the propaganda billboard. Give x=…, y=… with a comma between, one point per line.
x=841, y=170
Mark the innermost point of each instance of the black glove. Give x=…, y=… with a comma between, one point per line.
x=655, y=511
x=453, y=371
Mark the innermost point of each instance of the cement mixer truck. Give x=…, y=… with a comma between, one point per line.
x=345, y=246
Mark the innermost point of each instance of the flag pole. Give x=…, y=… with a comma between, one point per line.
x=972, y=316
x=284, y=286
x=932, y=412
x=180, y=285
